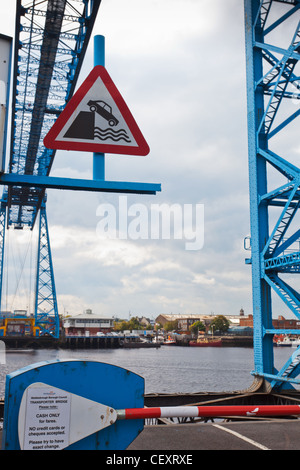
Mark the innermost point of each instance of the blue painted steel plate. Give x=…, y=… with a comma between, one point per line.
x=107, y=384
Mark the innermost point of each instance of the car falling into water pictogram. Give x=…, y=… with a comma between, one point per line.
x=104, y=110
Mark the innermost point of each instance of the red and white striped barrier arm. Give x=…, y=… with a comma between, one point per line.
x=208, y=411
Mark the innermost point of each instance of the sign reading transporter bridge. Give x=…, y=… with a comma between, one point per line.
x=97, y=119
x=161, y=221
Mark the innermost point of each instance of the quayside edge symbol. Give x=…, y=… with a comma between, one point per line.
x=97, y=119
x=84, y=126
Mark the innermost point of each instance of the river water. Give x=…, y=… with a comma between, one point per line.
x=168, y=369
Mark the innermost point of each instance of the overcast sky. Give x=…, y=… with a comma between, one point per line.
x=180, y=66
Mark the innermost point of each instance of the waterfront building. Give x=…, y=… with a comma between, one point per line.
x=146, y=322
x=280, y=323
x=184, y=321
x=87, y=324
x=16, y=313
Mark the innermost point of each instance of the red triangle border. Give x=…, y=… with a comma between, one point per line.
x=142, y=148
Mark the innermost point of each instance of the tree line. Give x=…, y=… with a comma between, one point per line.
x=219, y=323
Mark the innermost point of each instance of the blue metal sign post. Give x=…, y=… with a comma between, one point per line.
x=102, y=383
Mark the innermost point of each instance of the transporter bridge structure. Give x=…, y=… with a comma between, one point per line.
x=50, y=43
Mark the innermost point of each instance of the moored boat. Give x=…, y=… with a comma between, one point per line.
x=158, y=340
x=205, y=342
x=295, y=342
x=139, y=344
x=20, y=351
x=282, y=341
x=169, y=342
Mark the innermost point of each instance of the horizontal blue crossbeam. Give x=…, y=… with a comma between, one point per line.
x=289, y=259
x=53, y=182
x=281, y=331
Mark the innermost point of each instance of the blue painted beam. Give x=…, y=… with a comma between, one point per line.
x=281, y=19
x=282, y=331
x=290, y=259
x=262, y=313
x=277, y=378
x=284, y=123
x=52, y=182
x=277, y=50
x=286, y=244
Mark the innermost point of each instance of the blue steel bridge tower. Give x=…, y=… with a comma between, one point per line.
x=272, y=30
x=50, y=41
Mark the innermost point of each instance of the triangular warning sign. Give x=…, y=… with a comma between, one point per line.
x=97, y=119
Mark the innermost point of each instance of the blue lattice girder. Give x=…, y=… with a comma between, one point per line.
x=272, y=79
x=285, y=263
x=50, y=43
x=287, y=375
x=276, y=81
x=46, y=310
x=284, y=221
x=289, y=295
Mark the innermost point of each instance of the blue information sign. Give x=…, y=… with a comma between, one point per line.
x=59, y=382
